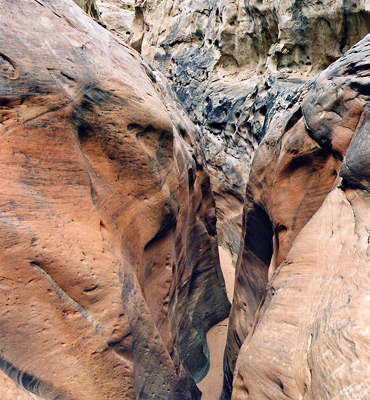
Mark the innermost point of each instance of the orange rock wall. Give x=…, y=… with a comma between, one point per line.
x=109, y=270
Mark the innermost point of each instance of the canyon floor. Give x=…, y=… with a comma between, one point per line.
x=211, y=385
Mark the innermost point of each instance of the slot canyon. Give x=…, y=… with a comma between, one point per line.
x=185, y=200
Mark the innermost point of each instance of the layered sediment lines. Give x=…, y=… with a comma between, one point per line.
x=109, y=269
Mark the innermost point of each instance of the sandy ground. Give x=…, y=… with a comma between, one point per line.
x=211, y=385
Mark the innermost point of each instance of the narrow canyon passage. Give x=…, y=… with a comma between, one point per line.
x=211, y=385
x=138, y=141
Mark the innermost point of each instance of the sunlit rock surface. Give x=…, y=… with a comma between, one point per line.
x=109, y=273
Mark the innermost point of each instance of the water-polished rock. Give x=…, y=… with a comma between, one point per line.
x=233, y=64
x=109, y=271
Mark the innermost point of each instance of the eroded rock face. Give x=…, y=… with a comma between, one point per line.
x=109, y=271
x=302, y=278
x=232, y=63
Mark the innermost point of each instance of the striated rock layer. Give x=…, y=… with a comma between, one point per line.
x=109, y=271
x=299, y=320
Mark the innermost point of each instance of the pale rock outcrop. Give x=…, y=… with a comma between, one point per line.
x=299, y=320
x=118, y=17
x=109, y=270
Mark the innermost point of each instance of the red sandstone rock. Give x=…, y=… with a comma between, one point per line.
x=109, y=271
x=233, y=64
x=300, y=308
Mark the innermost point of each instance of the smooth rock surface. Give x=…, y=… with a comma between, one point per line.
x=118, y=17
x=299, y=315
x=109, y=270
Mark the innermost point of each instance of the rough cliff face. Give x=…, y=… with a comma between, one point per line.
x=302, y=276
x=109, y=271
x=233, y=64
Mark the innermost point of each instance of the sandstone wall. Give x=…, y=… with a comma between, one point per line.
x=297, y=326
x=109, y=273
x=109, y=270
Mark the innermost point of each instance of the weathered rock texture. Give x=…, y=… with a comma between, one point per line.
x=232, y=63
x=109, y=271
x=300, y=309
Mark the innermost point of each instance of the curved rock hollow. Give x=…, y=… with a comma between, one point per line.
x=109, y=270
x=299, y=323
